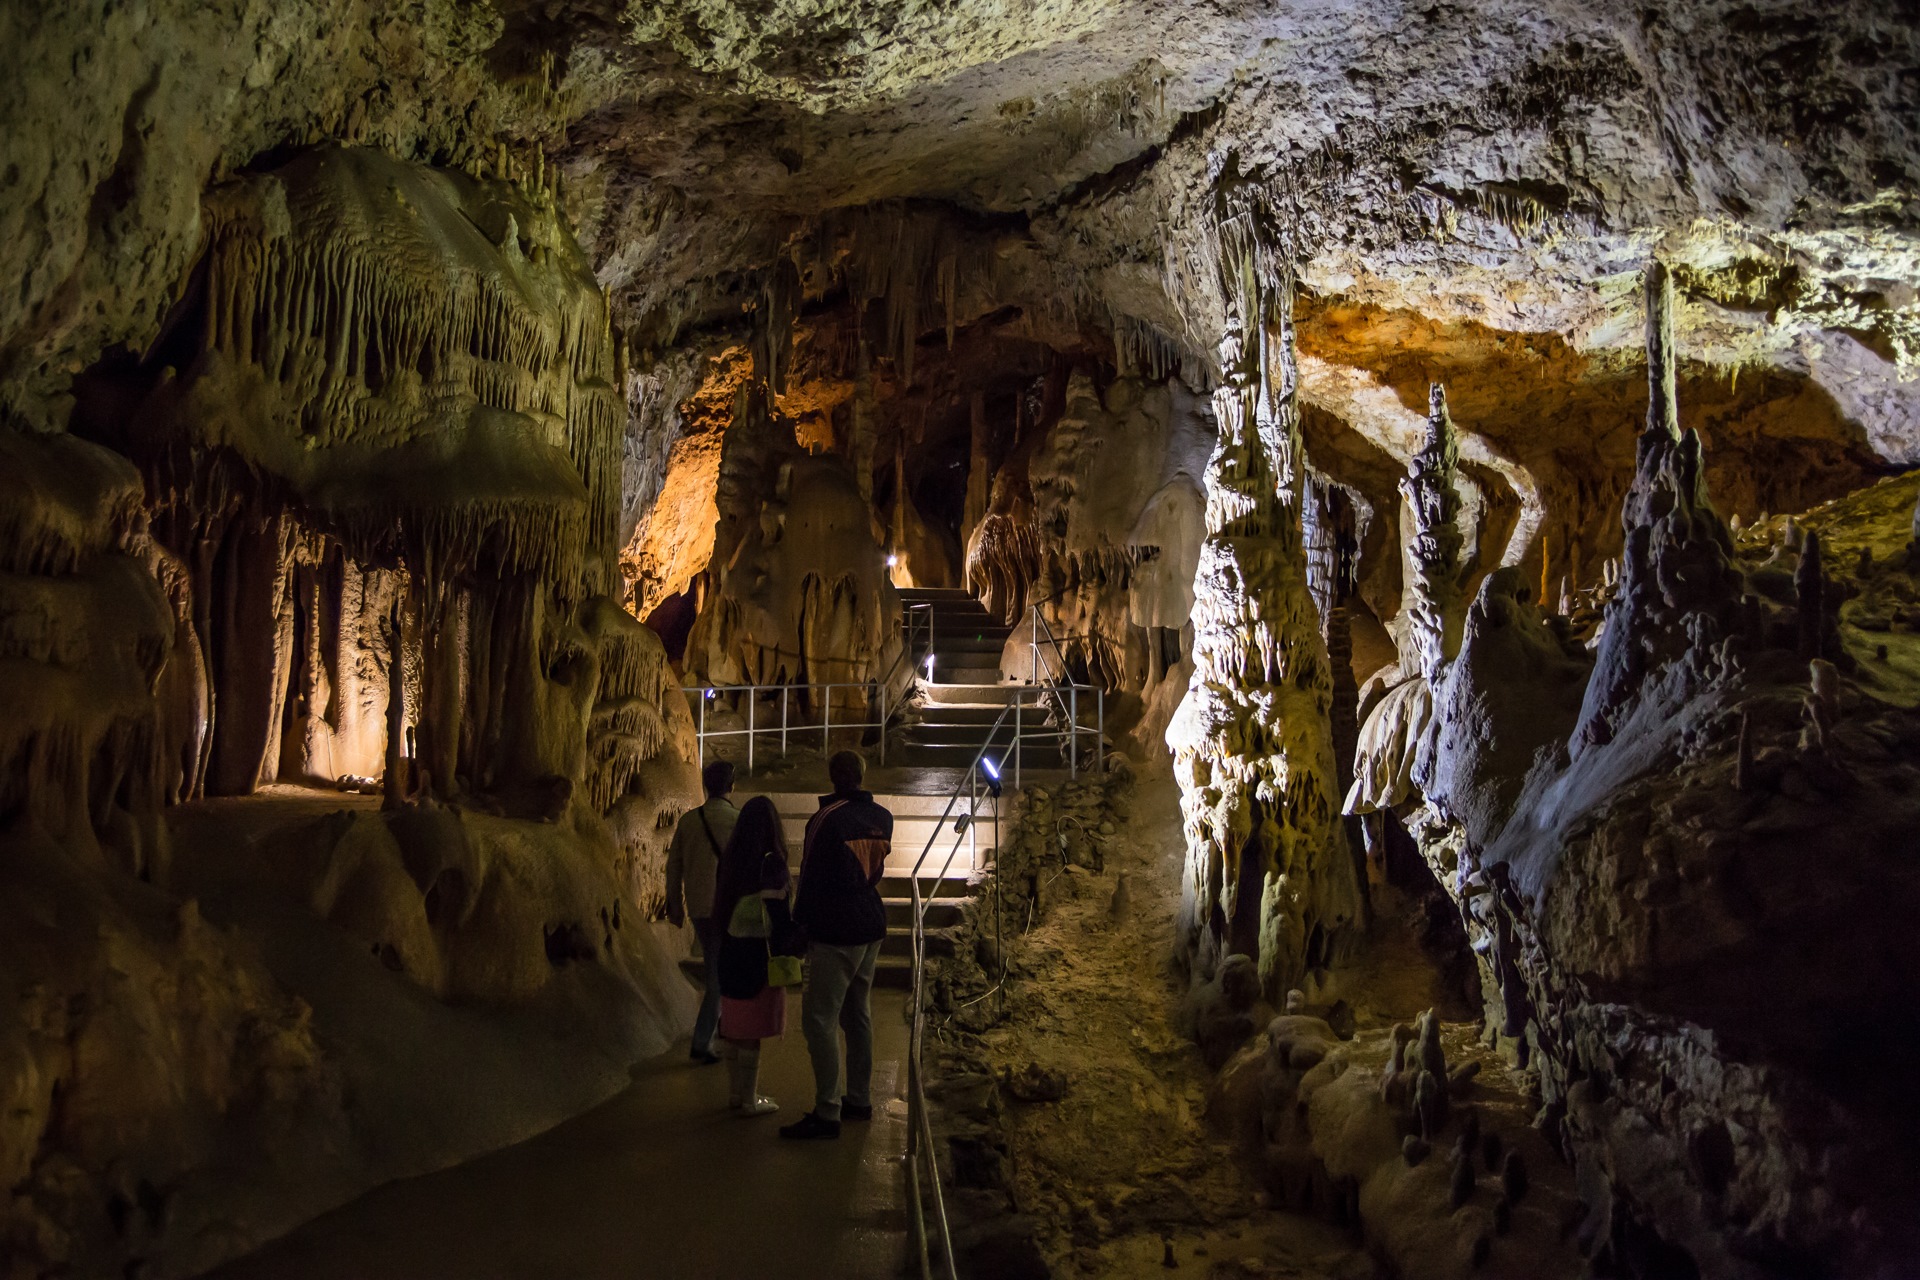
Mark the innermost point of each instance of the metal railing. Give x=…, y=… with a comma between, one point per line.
x=982, y=779
x=788, y=728
x=878, y=693
x=1065, y=691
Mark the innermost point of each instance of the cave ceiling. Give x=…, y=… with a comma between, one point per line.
x=1492, y=175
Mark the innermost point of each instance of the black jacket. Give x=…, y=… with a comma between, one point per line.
x=845, y=855
x=743, y=961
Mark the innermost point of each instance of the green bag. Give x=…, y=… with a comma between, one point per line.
x=750, y=918
x=783, y=971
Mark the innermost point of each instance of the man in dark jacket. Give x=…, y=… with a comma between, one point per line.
x=839, y=906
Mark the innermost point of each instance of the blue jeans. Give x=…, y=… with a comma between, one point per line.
x=839, y=990
x=709, y=1019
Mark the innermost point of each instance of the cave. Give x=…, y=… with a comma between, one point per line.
x=1370, y=552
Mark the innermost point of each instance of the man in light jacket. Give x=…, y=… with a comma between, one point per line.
x=839, y=906
x=693, y=859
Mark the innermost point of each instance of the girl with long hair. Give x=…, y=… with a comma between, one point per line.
x=751, y=1008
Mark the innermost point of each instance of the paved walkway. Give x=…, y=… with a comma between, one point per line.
x=660, y=1183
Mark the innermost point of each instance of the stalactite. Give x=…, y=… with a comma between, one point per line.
x=980, y=468
x=866, y=427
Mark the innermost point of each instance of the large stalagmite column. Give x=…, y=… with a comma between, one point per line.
x=1677, y=590
x=1268, y=872
x=1436, y=611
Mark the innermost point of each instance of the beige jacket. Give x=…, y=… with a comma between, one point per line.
x=693, y=862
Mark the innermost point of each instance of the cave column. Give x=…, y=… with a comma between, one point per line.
x=1435, y=610
x=1268, y=873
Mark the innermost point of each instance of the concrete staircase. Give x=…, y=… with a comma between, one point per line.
x=938, y=739
x=916, y=820
x=966, y=693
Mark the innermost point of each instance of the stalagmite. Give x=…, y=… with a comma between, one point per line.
x=1809, y=588
x=1677, y=593
x=1435, y=610
x=1268, y=871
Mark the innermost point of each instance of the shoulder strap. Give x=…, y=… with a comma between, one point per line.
x=711, y=838
x=813, y=827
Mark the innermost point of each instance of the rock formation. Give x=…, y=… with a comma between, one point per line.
x=1268, y=873
x=364, y=544
x=398, y=407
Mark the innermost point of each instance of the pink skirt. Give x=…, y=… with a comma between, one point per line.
x=761, y=1018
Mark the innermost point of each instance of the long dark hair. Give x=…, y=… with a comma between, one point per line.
x=745, y=867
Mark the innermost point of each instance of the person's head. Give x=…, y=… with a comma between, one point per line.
x=742, y=866
x=717, y=778
x=846, y=770
x=758, y=833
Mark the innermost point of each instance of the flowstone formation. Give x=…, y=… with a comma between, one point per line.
x=1118, y=508
x=363, y=545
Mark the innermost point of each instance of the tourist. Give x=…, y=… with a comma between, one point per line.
x=839, y=908
x=692, y=861
x=750, y=915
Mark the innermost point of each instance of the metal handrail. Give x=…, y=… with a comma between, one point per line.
x=919, y=1125
x=1066, y=694
x=705, y=693
x=877, y=691
x=909, y=628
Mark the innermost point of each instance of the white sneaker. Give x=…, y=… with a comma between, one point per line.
x=756, y=1106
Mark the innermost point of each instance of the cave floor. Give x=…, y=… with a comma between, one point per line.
x=660, y=1183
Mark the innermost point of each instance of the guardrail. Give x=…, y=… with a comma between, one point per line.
x=702, y=695
x=878, y=694
x=982, y=779
x=1065, y=692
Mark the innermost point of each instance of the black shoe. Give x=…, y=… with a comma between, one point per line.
x=852, y=1111
x=810, y=1126
x=703, y=1057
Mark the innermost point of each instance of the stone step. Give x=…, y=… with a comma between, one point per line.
x=964, y=669
x=802, y=804
x=942, y=912
x=1032, y=756
x=899, y=942
x=968, y=642
x=960, y=713
x=979, y=694
x=907, y=830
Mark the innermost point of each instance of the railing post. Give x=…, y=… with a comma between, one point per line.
x=703, y=728
x=753, y=696
x=784, y=691
x=1073, y=739
x=1100, y=737
x=973, y=825
x=1019, y=704
x=826, y=721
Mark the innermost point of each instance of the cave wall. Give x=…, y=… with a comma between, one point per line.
x=1599, y=809
x=337, y=547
